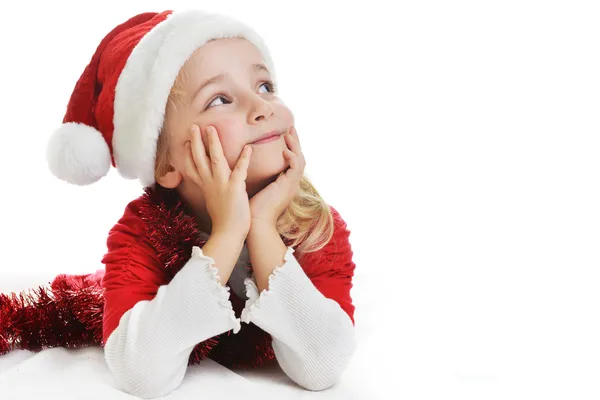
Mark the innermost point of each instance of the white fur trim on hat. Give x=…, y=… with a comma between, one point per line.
x=144, y=85
x=78, y=154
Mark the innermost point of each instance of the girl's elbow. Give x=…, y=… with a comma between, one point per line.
x=317, y=378
x=145, y=385
x=318, y=369
x=141, y=379
x=318, y=374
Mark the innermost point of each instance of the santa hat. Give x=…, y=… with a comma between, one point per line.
x=116, y=111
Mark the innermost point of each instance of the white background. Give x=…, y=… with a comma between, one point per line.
x=459, y=140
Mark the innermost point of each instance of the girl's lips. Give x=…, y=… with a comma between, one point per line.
x=267, y=139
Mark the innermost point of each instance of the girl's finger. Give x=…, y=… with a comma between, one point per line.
x=294, y=134
x=292, y=143
x=199, y=152
x=190, y=166
x=240, y=172
x=220, y=168
x=297, y=164
x=292, y=158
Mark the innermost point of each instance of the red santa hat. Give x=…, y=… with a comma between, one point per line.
x=116, y=111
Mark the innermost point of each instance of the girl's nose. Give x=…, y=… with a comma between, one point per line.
x=261, y=110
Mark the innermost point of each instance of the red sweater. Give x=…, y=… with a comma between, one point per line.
x=153, y=240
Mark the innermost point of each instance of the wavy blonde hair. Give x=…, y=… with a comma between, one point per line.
x=307, y=222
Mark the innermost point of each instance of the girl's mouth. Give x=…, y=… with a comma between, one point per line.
x=267, y=139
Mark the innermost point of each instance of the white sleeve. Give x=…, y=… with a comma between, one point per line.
x=313, y=337
x=148, y=352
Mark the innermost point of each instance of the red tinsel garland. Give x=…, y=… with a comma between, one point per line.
x=68, y=313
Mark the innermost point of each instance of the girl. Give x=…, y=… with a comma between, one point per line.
x=230, y=253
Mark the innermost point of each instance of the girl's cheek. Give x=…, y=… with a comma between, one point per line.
x=230, y=132
x=226, y=127
x=284, y=112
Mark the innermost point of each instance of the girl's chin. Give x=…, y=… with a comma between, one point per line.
x=266, y=174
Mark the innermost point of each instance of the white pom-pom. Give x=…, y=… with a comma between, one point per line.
x=78, y=154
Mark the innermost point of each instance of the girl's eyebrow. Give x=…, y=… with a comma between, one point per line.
x=211, y=81
x=259, y=67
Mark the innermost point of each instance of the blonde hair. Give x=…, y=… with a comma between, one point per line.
x=307, y=222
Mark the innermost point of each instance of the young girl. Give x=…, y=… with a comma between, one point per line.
x=230, y=253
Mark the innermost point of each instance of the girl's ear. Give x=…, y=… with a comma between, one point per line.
x=171, y=179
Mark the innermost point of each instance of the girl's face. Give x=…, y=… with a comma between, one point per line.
x=226, y=85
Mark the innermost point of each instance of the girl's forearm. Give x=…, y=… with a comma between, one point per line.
x=224, y=250
x=266, y=251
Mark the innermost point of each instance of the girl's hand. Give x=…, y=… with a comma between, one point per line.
x=224, y=190
x=268, y=204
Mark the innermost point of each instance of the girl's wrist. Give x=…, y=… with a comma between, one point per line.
x=261, y=225
x=237, y=237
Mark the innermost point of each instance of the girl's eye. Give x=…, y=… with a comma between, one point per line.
x=221, y=100
x=215, y=102
x=269, y=85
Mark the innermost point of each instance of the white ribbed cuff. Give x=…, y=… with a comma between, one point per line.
x=253, y=302
x=221, y=292
x=313, y=337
